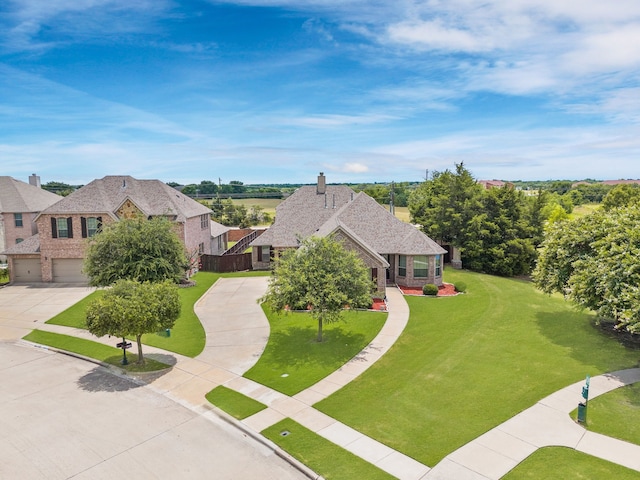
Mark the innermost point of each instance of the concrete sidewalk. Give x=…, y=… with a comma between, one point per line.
x=546, y=424
x=237, y=333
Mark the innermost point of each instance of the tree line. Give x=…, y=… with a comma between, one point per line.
x=498, y=230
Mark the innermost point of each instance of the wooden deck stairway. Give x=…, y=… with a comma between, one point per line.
x=243, y=243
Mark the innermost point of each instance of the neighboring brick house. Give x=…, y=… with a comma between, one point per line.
x=65, y=226
x=20, y=203
x=394, y=251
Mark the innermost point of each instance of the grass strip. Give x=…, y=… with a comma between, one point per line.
x=95, y=350
x=465, y=364
x=616, y=414
x=552, y=463
x=234, y=403
x=293, y=360
x=322, y=456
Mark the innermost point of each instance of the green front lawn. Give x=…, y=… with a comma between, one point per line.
x=293, y=360
x=467, y=363
x=553, y=463
x=187, y=337
x=323, y=457
x=616, y=414
x=95, y=350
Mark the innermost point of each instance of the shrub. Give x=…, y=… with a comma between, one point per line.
x=460, y=287
x=430, y=289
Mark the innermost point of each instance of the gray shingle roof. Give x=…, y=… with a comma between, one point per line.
x=29, y=245
x=304, y=214
x=218, y=229
x=107, y=194
x=21, y=197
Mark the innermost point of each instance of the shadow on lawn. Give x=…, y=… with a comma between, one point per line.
x=588, y=342
x=298, y=346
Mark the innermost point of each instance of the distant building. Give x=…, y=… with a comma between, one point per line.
x=489, y=184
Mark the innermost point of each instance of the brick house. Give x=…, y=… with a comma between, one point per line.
x=64, y=227
x=394, y=251
x=20, y=204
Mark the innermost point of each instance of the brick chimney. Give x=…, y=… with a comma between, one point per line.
x=322, y=184
x=34, y=180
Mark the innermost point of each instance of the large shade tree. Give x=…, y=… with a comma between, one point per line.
x=321, y=276
x=136, y=249
x=595, y=261
x=445, y=205
x=131, y=308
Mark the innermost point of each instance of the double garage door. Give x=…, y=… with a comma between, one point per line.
x=26, y=270
x=68, y=270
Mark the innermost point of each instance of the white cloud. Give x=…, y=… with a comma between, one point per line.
x=434, y=35
x=334, y=120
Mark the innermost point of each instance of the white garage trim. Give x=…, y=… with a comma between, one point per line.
x=26, y=270
x=68, y=270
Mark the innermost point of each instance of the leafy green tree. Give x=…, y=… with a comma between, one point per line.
x=132, y=308
x=135, y=249
x=445, y=205
x=60, y=188
x=622, y=195
x=321, y=275
x=594, y=261
x=560, y=186
x=500, y=239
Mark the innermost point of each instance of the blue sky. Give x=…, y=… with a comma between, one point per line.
x=275, y=91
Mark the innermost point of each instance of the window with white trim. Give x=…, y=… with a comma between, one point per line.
x=17, y=219
x=438, y=267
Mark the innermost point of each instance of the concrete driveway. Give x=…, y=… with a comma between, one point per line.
x=63, y=418
x=25, y=307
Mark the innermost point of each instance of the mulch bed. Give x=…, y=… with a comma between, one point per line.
x=444, y=290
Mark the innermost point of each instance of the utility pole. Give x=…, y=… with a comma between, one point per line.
x=392, y=195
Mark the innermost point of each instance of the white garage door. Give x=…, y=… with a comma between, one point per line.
x=26, y=270
x=68, y=270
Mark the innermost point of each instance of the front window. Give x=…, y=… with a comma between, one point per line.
x=63, y=227
x=92, y=226
x=201, y=248
x=438, y=268
x=17, y=218
x=204, y=221
x=402, y=265
x=266, y=253
x=19, y=240
x=420, y=266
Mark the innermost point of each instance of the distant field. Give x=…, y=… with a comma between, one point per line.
x=268, y=204
x=582, y=210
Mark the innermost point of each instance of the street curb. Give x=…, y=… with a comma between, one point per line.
x=264, y=441
x=302, y=468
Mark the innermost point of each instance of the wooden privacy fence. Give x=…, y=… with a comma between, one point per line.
x=227, y=263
